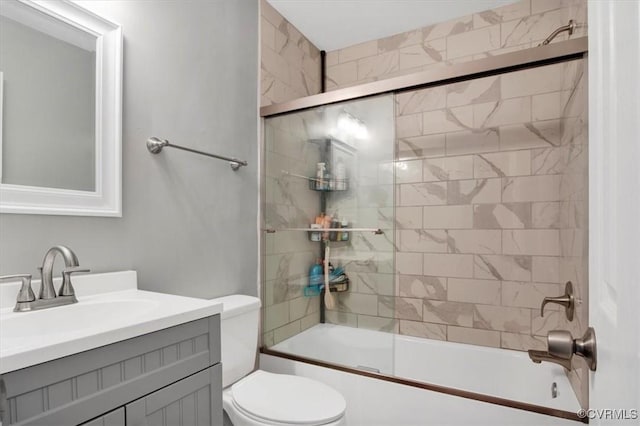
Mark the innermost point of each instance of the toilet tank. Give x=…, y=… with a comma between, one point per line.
x=239, y=336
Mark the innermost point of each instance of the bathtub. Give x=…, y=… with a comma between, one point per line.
x=504, y=374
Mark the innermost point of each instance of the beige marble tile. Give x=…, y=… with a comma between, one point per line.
x=379, y=65
x=283, y=333
x=427, y=53
x=399, y=41
x=267, y=34
x=502, y=216
x=533, y=28
x=522, y=342
x=270, y=14
x=408, y=125
x=472, y=142
x=332, y=58
x=420, y=147
x=389, y=325
x=502, y=164
x=422, y=287
x=531, y=188
x=422, y=240
x=474, y=241
x=303, y=306
x=408, y=217
x=542, y=242
x=550, y=215
x=448, y=265
x=539, y=6
x=342, y=74
x=374, y=283
x=310, y=320
x=470, y=42
x=400, y=307
x=473, y=91
x=546, y=269
x=421, y=100
x=451, y=27
x=452, y=313
x=473, y=336
x=529, y=295
x=448, y=217
x=341, y=318
x=533, y=81
x=275, y=64
x=473, y=291
x=356, y=303
x=515, y=320
x=276, y=316
x=501, y=113
x=552, y=320
x=448, y=168
x=409, y=263
x=408, y=171
x=500, y=267
x=538, y=134
x=423, y=194
x=423, y=329
x=547, y=106
x=474, y=191
x=447, y=120
x=358, y=51
x=267, y=339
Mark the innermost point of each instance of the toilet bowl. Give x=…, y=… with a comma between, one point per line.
x=256, y=398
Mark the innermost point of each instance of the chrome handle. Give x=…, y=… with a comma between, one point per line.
x=567, y=300
x=66, y=289
x=25, y=294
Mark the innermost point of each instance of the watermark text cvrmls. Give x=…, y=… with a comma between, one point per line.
x=609, y=413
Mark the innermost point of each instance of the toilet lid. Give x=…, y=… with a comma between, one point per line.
x=283, y=398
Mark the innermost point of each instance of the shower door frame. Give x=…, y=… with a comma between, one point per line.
x=440, y=75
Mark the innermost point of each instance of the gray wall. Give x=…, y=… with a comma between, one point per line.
x=49, y=110
x=189, y=223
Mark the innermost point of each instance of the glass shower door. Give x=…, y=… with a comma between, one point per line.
x=329, y=194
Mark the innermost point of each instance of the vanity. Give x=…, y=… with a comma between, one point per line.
x=120, y=356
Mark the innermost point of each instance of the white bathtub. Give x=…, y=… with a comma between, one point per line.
x=496, y=372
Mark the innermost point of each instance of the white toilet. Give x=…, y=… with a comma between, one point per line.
x=257, y=398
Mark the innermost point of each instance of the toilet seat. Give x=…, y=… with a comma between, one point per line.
x=282, y=399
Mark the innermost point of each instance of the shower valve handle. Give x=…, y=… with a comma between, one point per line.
x=567, y=300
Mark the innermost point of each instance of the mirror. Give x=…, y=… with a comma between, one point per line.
x=60, y=87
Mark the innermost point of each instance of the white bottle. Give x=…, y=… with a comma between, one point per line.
x=341, y=176
x=320, y=176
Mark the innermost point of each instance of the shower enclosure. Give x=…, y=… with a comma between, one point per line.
x=452, y=203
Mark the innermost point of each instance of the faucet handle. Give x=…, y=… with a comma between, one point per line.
x=66, y=289
x=25, y=294
x=567, y=300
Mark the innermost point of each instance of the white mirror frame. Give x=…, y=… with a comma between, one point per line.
x=106, y=200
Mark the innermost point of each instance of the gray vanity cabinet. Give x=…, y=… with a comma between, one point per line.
x=168, y=377
x=192, y=401
x=114, y=418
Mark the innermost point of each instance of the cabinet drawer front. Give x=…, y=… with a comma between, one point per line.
x=194, y=401
x=77, y=388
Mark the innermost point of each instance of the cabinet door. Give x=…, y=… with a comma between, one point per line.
x=194, y=401
x=114, y=418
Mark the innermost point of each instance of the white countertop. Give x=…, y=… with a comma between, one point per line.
x=110, y=308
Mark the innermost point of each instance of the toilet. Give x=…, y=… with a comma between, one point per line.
x=256, y=398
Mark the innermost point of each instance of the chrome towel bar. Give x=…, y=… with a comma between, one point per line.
x=155, y=145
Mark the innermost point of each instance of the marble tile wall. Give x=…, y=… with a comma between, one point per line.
x=491, y=209
x=289, y=62
x=508, y=28
x=288, y=203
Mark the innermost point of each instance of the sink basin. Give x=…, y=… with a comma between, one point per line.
x=110, y=308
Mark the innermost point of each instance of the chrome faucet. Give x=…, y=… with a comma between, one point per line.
x=46, y=272
x=562, y=346
x=47, y=298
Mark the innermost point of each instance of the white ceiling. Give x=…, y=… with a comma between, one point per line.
x=335, y=24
